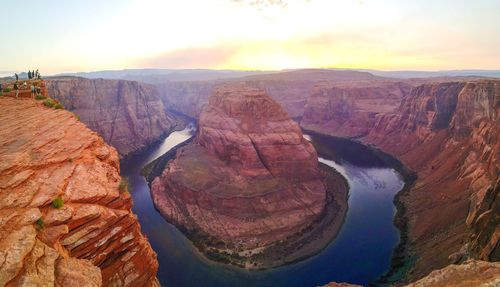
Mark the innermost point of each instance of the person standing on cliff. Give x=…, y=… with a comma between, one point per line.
x=32, y=91
x=17, y=89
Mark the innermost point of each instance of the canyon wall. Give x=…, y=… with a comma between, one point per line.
x=128, y=115
x=470, y=273
x=186, y=97
x=65, y=217
x=290, y=88
x=351, y=110
x=247, y=181
x=449, y=133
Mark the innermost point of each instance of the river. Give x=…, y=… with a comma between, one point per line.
x=360, y=253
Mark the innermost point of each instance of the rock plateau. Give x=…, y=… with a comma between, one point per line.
x=64, y=221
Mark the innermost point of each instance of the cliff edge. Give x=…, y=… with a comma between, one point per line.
x=128, y=115
x=65, y=216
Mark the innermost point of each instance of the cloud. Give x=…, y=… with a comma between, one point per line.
x=200, y=57
x=262, y=3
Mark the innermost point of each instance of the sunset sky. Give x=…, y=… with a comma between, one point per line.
x=66, y=36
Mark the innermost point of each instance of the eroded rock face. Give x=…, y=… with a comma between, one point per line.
x=471, y=273
x=93, y=239
x=248, y=180
x=289, y=88
x=450, y=134
x=127, y=114
x=350, y=110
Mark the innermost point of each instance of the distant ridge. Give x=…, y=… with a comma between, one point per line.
x=159, y=75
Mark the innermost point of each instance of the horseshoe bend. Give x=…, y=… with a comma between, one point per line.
x=249, y=190
x=250, y=143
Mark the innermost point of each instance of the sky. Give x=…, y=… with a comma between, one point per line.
x=70, y=35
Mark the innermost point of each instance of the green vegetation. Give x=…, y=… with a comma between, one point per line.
x=77, y=117
x=6, y=90
x=39, y=223
x=58, y=202
x=49, y=103
x=123, y=185
x=39, y=97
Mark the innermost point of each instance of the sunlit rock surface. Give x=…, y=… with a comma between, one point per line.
x=249, y=179
x=128, y=115
x=92, y=238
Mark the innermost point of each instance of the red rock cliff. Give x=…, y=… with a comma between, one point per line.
x=88, y=236
x=127, y=114
x=289, y=88
x=350, y=110
x=450, y=134
x=249, y=180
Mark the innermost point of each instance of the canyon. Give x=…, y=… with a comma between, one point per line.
x=447, y=132
x=248, y=188
x=249, y=184
x=444, y=129
x=65, y=215
x=290, y=88
x=127, y=114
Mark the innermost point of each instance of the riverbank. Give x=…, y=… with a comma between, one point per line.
x=314, y=238
x=366, y=235
x=299, y=246
x=402, y=258
x=182, y=121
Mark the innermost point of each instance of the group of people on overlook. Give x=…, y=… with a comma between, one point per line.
x=32, y=75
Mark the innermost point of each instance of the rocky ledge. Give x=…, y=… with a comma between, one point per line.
x=65, y=214
x=472, y=273
x=248, y=190
x=127, y=114
x=447, y=132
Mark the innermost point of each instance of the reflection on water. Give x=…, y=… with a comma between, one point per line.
x=172, y=140
x=360, y=253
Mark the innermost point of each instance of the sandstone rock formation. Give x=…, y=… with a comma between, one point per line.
x=449, y=133
x=186, y=97
x=470, y=274
x=63, y=219
x=289, y=88
x=350, y=110
x=248, y=181
x=128, y=115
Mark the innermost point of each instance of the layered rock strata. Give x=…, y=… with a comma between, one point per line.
x=448, y=132
x=248, y=181
x=351, y=110
x=64, y=218
x=128, y=115
x=470, y=274
x=289, y=88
